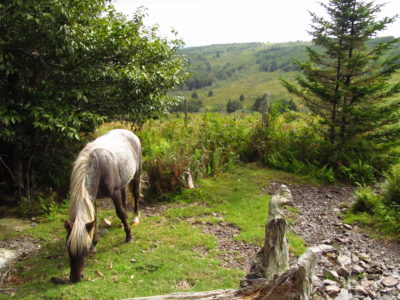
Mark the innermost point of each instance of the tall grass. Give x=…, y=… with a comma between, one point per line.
x=207, y=145
x=211, y=143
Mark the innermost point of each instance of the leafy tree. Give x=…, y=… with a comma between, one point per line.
x=241, y=97
x=233, y=105
x=210, y=93
x=273, y=66
x=259, y=102
x=66, y=66
x=345, y=83
x=194, y=95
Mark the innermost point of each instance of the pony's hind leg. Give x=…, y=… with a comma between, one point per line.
x=118, y=199
x=136, y=189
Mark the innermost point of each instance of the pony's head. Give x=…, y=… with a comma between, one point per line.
x=79, y=242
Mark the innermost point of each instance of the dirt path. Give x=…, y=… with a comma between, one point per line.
x=320, y=222
x=373, y=265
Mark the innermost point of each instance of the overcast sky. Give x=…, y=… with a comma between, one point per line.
x=206, y=22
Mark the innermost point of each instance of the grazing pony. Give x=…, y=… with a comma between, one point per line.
x=103, y=169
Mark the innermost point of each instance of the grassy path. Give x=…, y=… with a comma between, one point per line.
x=163, y=257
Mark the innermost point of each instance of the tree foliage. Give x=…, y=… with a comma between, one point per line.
x=345, y=83
x=259, y=102
x=233, y=105
x=66, y=66
x=193, y=105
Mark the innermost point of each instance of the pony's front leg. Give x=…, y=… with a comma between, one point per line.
x=93, y=249
x=121, y=213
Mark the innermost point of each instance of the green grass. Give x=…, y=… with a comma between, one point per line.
x=238, y=197
x=380, y=226
x=164, y=246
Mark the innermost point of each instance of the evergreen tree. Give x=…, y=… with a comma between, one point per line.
x=345, y=83
x=273, y=66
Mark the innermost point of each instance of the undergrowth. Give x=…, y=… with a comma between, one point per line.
x=207, y=145
x=211, y=143
x=379, y=209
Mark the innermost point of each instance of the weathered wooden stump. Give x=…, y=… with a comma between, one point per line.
x=270, y=277
x=188, y=179
x=273, y=258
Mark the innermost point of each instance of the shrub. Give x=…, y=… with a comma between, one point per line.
x=391, y=190
x=288, y=143
x=358, y=171
x=233, y=105
x=164, y=175
x=366, y=201
x=207, y=145
x=373, y=210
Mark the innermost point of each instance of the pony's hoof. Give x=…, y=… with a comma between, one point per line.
x=135, y=220
x=129, y=240
x=93, y=249
x=57, y=280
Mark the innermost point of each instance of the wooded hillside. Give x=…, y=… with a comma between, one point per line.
x=243, y=72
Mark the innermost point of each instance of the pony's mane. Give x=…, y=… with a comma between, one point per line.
x=82, y=210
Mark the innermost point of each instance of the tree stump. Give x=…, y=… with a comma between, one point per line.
x=273, y=258
x=188, y=179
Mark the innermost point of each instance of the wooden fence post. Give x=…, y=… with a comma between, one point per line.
x=265, y=109
x=186, y=111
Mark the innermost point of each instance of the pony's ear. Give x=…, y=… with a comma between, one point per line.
x=68, y=226
x=90, y=225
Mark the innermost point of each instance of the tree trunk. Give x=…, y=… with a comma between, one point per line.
x=18, y=171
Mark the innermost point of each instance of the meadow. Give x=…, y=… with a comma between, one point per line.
x=228, y=157
x=165, y=255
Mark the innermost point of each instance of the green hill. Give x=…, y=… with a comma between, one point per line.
x=243, y=71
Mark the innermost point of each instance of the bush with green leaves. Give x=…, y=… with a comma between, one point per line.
x=289, y=143
x=391, y=189
x=286, y=143
x=380, y=210
x=209, y=144
x=366, y=201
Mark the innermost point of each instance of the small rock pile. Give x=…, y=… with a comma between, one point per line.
x=348, y=275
